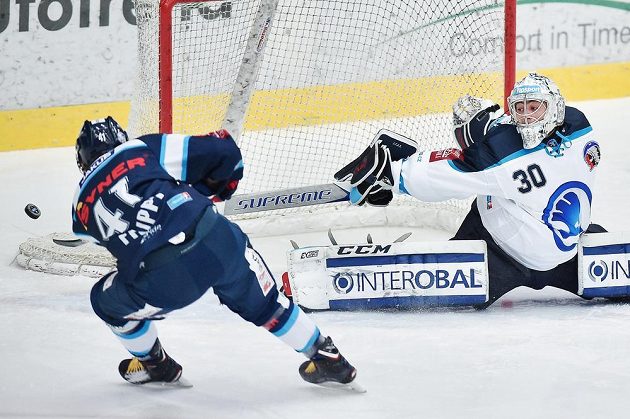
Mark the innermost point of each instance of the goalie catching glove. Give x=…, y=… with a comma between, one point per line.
x=472, y=117
x=370, y=174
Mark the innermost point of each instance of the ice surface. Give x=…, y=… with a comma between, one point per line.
x=533, y=354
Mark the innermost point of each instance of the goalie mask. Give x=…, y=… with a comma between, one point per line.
x=97, y=138
x=536, y=108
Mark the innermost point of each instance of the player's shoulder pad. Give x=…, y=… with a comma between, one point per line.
x=500, y=121
x=154, y=142
x=501, y=140
x=574, y=121
x=150, y=139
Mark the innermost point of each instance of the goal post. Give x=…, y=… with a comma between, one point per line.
x=509, y=36
x=304, y=85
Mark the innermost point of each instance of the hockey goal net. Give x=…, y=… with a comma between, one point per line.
x=304, y=85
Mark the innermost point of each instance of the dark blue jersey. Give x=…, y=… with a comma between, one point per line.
x=147, y=191
x=502, y=141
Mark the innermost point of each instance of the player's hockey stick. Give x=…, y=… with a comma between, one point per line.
x=287, y=198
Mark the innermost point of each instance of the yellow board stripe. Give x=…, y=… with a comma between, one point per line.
x=348, y=102
x=58, y=126
x=359, y=101
x=53, y=127
x=595, y=81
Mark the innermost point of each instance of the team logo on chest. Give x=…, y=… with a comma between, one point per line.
x=568, y=214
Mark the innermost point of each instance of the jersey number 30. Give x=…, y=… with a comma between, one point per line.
x=531, y=176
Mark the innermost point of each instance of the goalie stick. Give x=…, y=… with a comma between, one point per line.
x=315, y=194
x=265, y=201
x=287, y=198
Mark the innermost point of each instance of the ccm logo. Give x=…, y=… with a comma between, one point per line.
x=309, y=254
x=364, y=249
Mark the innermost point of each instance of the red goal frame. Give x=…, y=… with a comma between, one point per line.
x=166, y=57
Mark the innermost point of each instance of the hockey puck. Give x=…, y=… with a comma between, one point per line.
x=32, y=211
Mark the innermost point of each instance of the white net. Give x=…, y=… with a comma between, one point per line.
x=305, y=85
x=330, y=76
x=64, y=254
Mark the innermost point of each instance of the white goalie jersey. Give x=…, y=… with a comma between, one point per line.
x=535, y=203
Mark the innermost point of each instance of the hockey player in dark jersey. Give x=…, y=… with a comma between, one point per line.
x=149, y=201
x=532, y=172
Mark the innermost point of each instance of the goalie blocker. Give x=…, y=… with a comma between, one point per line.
x=398, y=275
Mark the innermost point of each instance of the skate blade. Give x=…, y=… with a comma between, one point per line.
x=351, y=386
x=181, y=383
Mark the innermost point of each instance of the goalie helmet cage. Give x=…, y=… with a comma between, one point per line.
x=304, y=85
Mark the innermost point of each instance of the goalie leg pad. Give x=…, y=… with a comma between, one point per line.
x=604, y=265
x=398, y=275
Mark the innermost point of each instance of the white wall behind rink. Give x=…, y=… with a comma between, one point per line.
x=67, y=52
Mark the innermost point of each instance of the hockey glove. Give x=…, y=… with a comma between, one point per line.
x=471, y=118
x=377, y=197
x=221, y=190
x=359, y=169
x=380, y=198
x=226, y=191
x=370, y=175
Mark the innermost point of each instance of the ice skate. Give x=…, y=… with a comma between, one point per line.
x=329, y=368
x=164, y=371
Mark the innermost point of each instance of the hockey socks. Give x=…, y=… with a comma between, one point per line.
x=138, y=337
x=294, y=328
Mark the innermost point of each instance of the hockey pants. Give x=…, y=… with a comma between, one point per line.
x=218, y=256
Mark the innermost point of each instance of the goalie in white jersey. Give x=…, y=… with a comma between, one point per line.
x=532, y=171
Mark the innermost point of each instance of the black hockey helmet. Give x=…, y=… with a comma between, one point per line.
x=97, y=138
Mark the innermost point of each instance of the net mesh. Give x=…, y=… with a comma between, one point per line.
x=64, y=254
x=331, y=75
